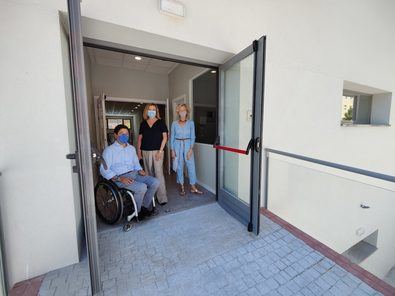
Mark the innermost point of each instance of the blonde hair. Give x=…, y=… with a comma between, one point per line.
x=145, y=116
x=185, y=106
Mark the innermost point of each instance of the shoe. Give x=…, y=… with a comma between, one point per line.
x=145, y=212
x=182, y=190
x=195, y=190
x=154, y=212
x=163, y=203
x=141, y=216
x=128, y=226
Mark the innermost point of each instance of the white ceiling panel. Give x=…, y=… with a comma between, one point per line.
x=157, y=69
x=134, y=66
x=144, y=61
x=102, y=53
x=122, y=60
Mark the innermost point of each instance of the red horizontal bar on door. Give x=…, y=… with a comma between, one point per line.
x=218, y=147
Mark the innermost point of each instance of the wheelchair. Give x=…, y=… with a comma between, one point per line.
x=114, y=203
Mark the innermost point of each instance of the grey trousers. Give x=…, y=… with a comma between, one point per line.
x=154, y=168
x=143, y=187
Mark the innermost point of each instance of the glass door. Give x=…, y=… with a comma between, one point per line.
x=239, y=134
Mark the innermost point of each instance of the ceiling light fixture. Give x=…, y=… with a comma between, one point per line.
x=213, y=71
x=137, y=58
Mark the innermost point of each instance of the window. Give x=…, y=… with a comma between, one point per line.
x=205, y=107
x=364, y=105
x=357, y=108
x=205, y=121
x=348, y=109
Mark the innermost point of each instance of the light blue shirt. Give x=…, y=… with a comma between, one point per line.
x=119, y=160
x=187, y=131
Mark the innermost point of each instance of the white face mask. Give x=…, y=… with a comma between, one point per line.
x=183, y=114
x=151, y=113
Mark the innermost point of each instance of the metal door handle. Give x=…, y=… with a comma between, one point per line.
x=250, y=146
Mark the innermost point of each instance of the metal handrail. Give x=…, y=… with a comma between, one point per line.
x=343, y=167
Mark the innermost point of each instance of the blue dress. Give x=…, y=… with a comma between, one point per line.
x=182, y=138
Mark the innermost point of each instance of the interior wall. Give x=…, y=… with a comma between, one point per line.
x=36, y=190
x=381, y=107
x=179, y=82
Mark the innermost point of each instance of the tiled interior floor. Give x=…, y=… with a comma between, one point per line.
x=175, y=203
x=204, y=251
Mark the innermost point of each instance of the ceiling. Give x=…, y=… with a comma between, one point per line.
x=122, y=108
x=114, y=108
x=128, y=61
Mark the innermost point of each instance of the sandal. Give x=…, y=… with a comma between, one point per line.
x=182, y=190
x=195, y=190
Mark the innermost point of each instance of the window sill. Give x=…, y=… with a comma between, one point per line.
x=363, y=125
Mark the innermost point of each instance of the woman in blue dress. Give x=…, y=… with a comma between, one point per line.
x=182, y=140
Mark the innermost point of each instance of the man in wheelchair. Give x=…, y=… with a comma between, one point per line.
x=123, y=168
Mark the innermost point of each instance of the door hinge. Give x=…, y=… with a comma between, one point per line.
x=75, y=157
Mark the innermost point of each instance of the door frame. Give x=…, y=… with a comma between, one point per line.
x=78, y=42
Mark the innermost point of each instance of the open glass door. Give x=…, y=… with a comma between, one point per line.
x=83, y=155
x=239, y=133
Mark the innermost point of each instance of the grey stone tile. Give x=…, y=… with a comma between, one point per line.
x=173, y=255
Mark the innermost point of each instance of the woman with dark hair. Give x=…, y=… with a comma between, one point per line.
x=150, y=146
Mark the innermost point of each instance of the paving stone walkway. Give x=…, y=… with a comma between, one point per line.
x=204, y=251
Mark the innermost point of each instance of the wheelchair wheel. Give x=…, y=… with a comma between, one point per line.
x=109, y=202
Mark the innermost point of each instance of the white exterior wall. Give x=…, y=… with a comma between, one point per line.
x=325, y=203
x=312, y=46
x=38, y=211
